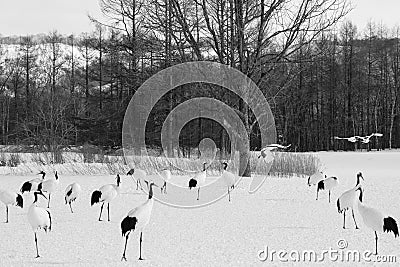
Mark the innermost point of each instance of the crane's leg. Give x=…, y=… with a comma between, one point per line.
x=126, y=242
x=376, y=243
x=229, y=195
x=137, y=184
x=71, y=207
x=140, y=246
x=101, y=210
x=329, y=196
x=317, y=194
x=352, y=211
x=7, y=213
x=344, y=219
x=198, y=193
x=37, y=250
x=108, y=211
x=48, y=203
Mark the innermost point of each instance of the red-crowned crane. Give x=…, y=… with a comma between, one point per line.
x=229, y=179
x=198, y=180
x=348, y=200
x=166, y=176
x=71, y=193
x=32, y=185
x=366, y=139
x=49, y=186
x=39, y=218
x=11, y=198
x=271, y=147
x=327, y=184
x=106, y=194
x=137, y=219
x=139, y=175
x=376, y=221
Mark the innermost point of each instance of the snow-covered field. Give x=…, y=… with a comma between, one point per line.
x=282, y=215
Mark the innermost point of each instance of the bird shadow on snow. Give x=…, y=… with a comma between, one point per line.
x=33, y=262
x=291, y=227
x=280, y=199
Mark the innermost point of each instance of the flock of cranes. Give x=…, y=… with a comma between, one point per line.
x=138, y=218
x=353, y=199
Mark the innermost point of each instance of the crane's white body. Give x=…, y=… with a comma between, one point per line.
x=315, y=178
x=10, y=198
x=327, y=184
x=375, y=220
x=38, y=218
x=139, y=175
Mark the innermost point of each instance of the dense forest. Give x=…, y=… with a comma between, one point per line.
x=321, y=75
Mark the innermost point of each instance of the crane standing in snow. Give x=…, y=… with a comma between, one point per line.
x=376, y=221
x=348, y=200
x=327, y=184
x=71, y=193
x=49, y=186
x=106, y=194
x=39, y=218
x=198, y=180
x=139, y=175
x=229, y=179
x=11, y=198
x=137, y=219
x=166, y=176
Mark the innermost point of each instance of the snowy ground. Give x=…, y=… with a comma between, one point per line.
x=282, y=215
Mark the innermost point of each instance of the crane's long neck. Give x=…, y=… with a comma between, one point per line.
x=151, y=191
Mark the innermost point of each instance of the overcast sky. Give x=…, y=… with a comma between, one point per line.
x=21, y=17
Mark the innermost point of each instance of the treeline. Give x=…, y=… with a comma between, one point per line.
x=321, y=79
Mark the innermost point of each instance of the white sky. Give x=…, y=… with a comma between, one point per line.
x=22, y=17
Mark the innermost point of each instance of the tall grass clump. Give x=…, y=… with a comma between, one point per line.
x=14, y=160
x=287, y=164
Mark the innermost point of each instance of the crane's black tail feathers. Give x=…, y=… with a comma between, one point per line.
x=26, y=187
x=390, y=225
x=128, y=224
x=96, y=195
x=338, y=206
x=321, y=185
x=192, y=183
x=20, y=201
